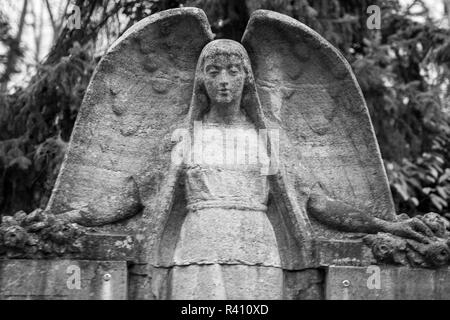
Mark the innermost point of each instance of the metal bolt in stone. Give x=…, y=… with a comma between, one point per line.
x=106, y=277
x=346, y=283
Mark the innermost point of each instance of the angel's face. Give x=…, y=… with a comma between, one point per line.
x=224, y=78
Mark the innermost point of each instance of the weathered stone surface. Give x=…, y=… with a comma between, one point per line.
x=63, y=279
x=305, y=284
x=108, y=247
x=400, y=283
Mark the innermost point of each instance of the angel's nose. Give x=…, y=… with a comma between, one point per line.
x=223, y=79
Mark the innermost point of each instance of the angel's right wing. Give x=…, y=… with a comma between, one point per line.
x=120, y=149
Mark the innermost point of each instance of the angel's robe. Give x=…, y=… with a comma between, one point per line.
x=227, y=248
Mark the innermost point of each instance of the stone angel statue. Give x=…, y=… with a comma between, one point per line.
x=153, y=149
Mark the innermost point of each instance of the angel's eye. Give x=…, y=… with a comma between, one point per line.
x=234, y=70
x=213, y=72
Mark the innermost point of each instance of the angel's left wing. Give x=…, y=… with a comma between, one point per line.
x=307, y=89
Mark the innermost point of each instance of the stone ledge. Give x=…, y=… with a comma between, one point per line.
x=110, y=247
x=343, y=252
x=92, y=246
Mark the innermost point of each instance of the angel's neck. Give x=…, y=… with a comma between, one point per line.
x=226, y=114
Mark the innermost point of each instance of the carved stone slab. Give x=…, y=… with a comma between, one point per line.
x=394, y=283
x=63, y=279
x=343, y=253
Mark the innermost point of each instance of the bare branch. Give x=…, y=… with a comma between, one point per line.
x=12, y=54
x=52, y=19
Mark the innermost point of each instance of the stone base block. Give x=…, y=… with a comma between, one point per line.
x=386, y=283
x=63, y=279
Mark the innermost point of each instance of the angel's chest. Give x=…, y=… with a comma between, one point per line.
x=228, y=147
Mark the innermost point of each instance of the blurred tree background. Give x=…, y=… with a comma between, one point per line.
x=403, y=70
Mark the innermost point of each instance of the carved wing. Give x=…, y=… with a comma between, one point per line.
x=119, y=154
x=307, y=89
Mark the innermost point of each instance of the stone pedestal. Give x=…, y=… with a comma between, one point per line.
x=63, y=279
x=386, y=283
x=107, y=269
x=98, y=272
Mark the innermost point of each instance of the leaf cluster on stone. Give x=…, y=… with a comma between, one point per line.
x=38, y=235
x=391, y=249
